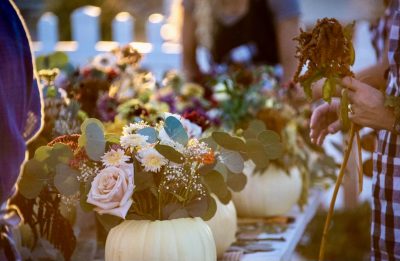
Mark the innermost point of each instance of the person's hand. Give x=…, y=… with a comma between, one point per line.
x=367, y=107
x=324, y=121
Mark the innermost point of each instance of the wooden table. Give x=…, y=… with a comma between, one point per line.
x=283, y=249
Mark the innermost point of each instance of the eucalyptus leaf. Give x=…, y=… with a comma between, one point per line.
x=170, y=208
x=33, y=179
x=170, y=153
x=95, y=141
x=236, y=182
x=268, y=137
x=198, y=208
x=211, y=209
x=150, y=132
x=175, y=130
x=255, y=127
x=215, y=183
x=210, y=142
x=257, y=153
x=42, y=153
x=66, y=180
x=228, y=142
x=226, y=198
x=232, y=160
x=179, y=213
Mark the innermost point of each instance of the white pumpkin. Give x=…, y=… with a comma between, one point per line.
x=223, y=226
x=271, y=193
x=185, y=239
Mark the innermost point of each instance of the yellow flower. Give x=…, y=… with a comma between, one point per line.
x=151, y=159
x=114, y=158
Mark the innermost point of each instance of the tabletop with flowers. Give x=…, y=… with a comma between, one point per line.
x=160, y=166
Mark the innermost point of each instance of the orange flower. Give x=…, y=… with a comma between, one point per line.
x=209, y=158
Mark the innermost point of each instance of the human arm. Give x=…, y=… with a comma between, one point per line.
x=287, y=23
x=189, y=45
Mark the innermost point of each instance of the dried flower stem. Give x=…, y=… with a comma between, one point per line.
x=335, y=192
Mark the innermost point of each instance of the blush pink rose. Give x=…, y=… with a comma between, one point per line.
x=112, y=189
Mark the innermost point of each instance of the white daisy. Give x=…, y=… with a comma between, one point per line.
x=129, y=129
x=151, y=159
x=114, y=158
x=133, y=140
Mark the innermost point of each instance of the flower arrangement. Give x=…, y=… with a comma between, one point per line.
x=237, y=93
x=154, y=172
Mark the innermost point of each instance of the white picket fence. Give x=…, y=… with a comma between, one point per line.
x=159, y=55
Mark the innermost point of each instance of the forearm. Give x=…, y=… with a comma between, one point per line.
x=286, y=31
x=189, y=45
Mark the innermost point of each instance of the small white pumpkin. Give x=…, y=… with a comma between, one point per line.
x=181, y=239
x=271, y=193
x=223, y=226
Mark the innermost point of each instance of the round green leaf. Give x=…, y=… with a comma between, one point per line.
x=151, y=133
x=236, y=182
x=95, y=141
x=211, y=209
x=232, y=160
x=170, y=153
x=257, y=153
x=175, y=130
x=228, y=142
x=66, y=180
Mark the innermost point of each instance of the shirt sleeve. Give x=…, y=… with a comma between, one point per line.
x=284, y=9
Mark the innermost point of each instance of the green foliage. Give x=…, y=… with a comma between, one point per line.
x=93, y=138
x=42, y=168
x=170, y=153
x=175, y=130
x=216, y=184
x=228, y=142
x=151, y=133
x=65, y=180
x=232, y=160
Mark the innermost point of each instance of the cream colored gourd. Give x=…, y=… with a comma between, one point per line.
x=271, y=193
x=223, y=226
x=168, y=240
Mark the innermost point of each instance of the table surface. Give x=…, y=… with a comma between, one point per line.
x=283, y=249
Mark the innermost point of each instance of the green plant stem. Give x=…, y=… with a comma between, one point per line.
x=335, y=192
x=159, y=204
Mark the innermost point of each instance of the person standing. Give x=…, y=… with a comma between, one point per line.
x=368, y=108
x=265, y=28
x=20, y=113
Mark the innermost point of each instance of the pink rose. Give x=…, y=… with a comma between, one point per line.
x=112, y=189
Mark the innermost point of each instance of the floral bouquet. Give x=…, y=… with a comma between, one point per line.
x=191, y=100
x=240, y=93
x=153, y=172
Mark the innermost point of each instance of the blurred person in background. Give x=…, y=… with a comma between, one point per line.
x=262, y=30
x=20, y=114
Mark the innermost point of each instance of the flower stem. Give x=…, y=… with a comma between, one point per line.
x=335, y=192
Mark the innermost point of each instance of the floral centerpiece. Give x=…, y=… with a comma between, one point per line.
x=157, y=173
